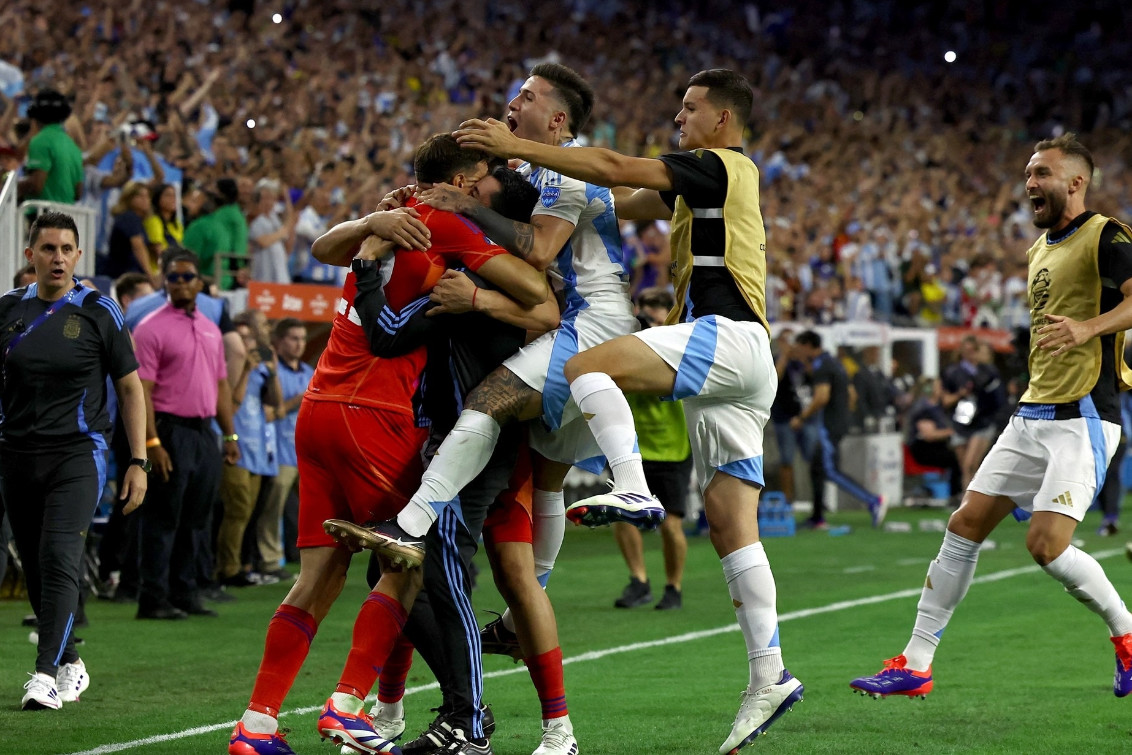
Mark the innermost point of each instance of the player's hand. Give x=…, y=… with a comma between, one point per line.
x=454, y=292
x=1063, y=333
x=231, y=452
x=161, y=462
x=133, y=488
x=491, y=136
x=402, y=226
x=397, y=198
x=374, y=248
x=447, y=197
x=796, y=423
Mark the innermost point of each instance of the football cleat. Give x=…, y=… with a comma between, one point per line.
x=878, y=510
x=636, y=593
x=72, y=680
x=895, y=679
x=387, y=725
x=353, y=730
x=496, y=639
x=557, y=739
x=244, y=742
x=462, y=746
x=759, y=709
x=641, y=510
x=439, y=735
x=384, y=538
x=41, y=693
x=1122, y=681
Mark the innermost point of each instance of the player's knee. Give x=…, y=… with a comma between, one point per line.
x=1043, y=546
x=576, y=367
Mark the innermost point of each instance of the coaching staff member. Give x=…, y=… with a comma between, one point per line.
x=59, y=341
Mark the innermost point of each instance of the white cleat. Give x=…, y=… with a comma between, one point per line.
x=759, y=709
x=642, y=510
x=72, y=680
x=557, y=739
x=41, y=693
x=388, y=722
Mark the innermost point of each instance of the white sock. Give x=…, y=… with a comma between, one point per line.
x=548, y=514
x=347, y=703
x=259, y=723
x=508, y=620
x=610, y=420
x=561, y=722
x=392, y=710
x=949, y=576
x=1085, y=580
x=462, y=456
x=751, y=585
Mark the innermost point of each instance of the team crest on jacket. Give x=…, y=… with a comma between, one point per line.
x=72, y=327
x=550, y=196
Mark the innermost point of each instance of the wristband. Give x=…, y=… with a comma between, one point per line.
x=153, y=442
x=475, y=290
x=231, y=438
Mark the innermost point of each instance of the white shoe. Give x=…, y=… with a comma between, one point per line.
x=557, y=739
x=72, y=680
x=388, y=722
x=41, y=693
x=759, y=709
x=642, y=510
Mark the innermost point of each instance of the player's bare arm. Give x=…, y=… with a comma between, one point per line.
x=1064, y=333
x=402, y=226
x=456, y=293
x=639, y=204
x=537, y=242
x=594, y=165
x=526, y=284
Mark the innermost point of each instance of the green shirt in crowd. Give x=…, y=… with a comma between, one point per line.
x=54, y=152
x=662, y=432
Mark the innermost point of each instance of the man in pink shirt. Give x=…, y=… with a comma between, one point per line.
x=181, y=365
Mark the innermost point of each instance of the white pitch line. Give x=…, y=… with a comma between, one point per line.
x=593, y=655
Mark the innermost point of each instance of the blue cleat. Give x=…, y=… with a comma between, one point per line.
x=244, y=742
x=642, y=510
x=895, y=679
x=1122, y=681
x=355, y=730
x=759, y=709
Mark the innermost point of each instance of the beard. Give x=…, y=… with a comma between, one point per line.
x=1051, y=213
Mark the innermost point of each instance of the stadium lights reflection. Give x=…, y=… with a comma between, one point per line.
x=277, y=18
x=251, y=122
x=949, y=56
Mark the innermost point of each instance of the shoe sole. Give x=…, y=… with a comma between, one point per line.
x=358, y=538
x=784, y=707
x=920, y=692
x=619, y=603
x=349, y=744
x=646, y=519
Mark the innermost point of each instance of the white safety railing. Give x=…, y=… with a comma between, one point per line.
x=86, y=219
x=11, y=232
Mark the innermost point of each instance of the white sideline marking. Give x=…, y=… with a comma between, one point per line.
x=596, y=654
x=858, y=569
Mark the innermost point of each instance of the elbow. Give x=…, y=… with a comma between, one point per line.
x=533, y=295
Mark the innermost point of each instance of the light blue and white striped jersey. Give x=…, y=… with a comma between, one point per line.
x=591, y=265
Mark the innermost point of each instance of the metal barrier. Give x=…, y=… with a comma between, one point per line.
x=86, y=219
x=11, y=233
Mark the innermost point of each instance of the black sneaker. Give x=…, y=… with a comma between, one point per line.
x=462, y=746
x=496, y=639
x=384, y=538
x=636, y=593
x=670, y=600
x=438, y=736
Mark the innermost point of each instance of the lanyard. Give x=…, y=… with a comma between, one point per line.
x=70, y=295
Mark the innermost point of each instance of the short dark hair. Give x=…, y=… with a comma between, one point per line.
x=727, y=89
x=52, y=219
x=284, y=326
x=574, y=91
x=1069, y=145
x=440, y=157
x=179, y=255
x=49, y=106
x=656, y=296
x=808, y=338
x=155, y=197
x=128, y=283
x=28, y=269
x=516, y=198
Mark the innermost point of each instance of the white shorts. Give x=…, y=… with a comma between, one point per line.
x=1049, y=464
x=563, y=435
x=725, y=375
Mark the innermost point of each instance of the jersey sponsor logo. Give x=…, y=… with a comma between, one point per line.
x=72, y=328
x=1065, y=499
x=550, y=195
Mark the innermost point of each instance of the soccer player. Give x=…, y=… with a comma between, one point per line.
x=573, y=234
x=718, y=360
x=1051, y=459
x=358, y=446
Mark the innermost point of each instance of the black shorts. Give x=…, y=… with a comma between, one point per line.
x=669, y=481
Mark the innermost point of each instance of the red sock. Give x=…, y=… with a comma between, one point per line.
x=546, y=673
x=391, y=684
x=376, y=629
x=289, y=636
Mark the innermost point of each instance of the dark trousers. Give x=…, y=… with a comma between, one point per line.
x=939, y=454
x=1113, y=489
x=50, y=499
x=174, y=529
x=442, y=624
x=826, y=466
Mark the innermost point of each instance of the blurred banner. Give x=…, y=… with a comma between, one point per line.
x=308, y=302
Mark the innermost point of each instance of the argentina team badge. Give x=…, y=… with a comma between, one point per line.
x=550, y=195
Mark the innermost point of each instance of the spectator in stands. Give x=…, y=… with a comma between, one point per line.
x=25, y=277
x=315, y=220
x=212, y=233
x=289, y=339
x=929, y=434
x=255, y=389
x=129, y=249
x=185, y=378
x=162, y=228
x=54, y=167
x=270, y=235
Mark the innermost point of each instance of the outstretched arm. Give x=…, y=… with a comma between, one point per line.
x=339, y=245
